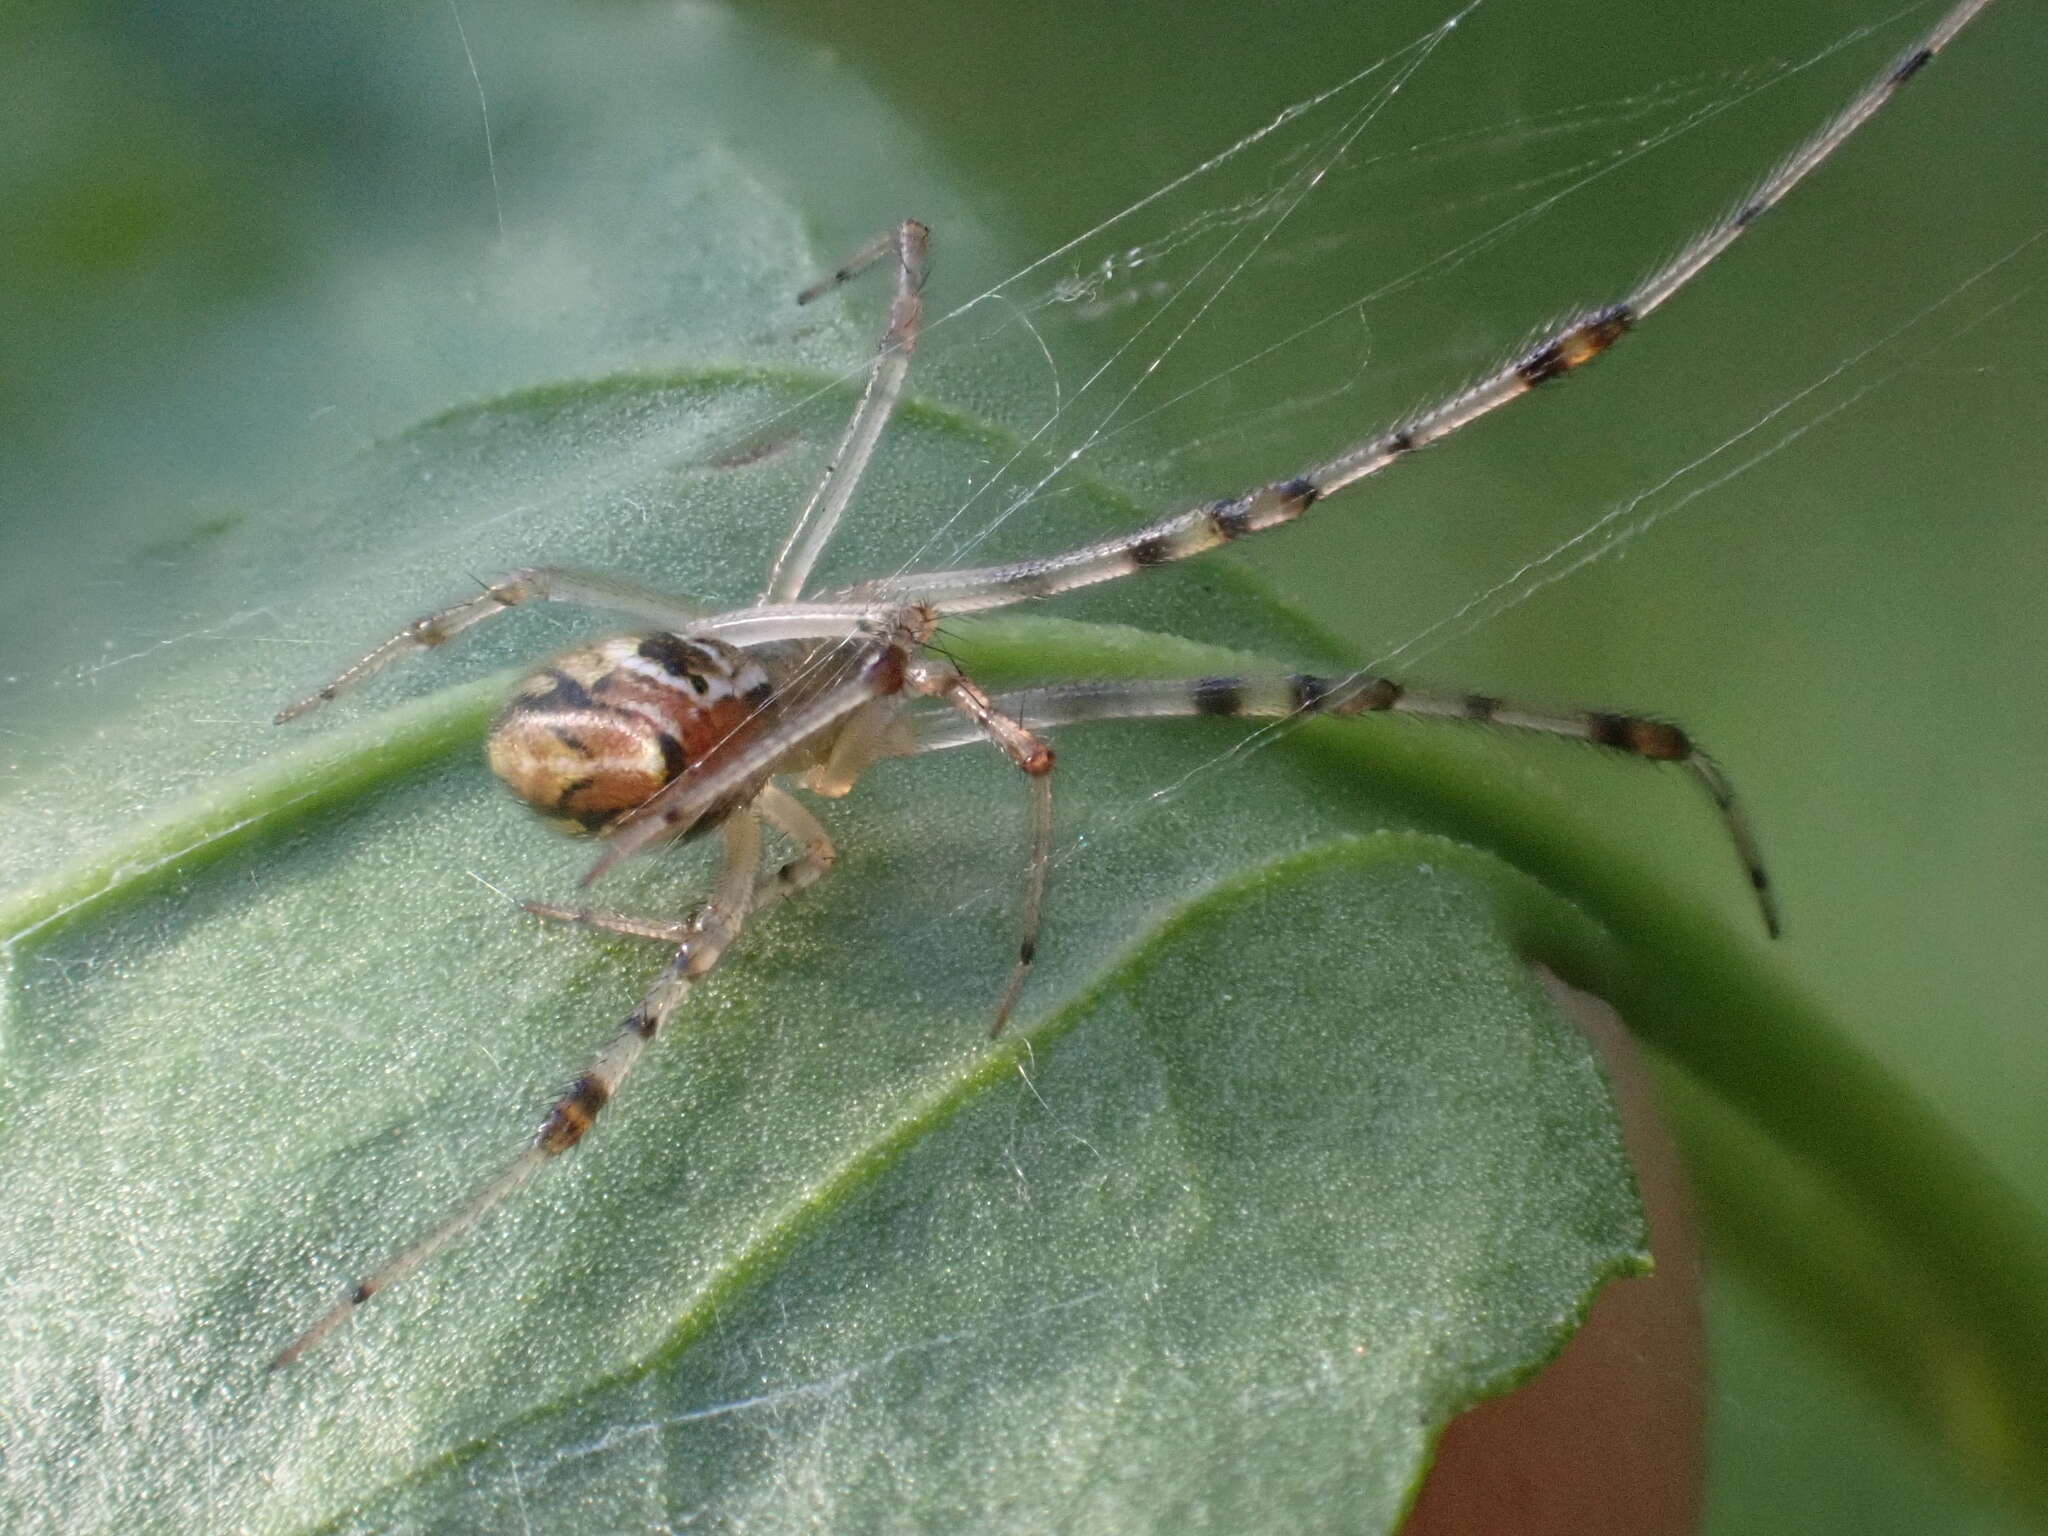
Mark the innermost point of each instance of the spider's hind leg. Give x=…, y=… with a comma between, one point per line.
x=815, y=853
x=710, y=932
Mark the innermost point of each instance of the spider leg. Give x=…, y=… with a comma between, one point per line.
x=710, y=933
x=1363, y=693
x=533, y=584
x=1202, y=528
x=779, y=622
x=908, y=242
x=990, y=720
x=663, y=930
x=781, y=810
x=875, y=731
x=815, y=856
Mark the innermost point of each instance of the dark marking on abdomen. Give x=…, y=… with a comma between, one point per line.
x=566, y=693
x=673, y=759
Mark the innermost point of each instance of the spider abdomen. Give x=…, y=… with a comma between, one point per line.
x=603, y=728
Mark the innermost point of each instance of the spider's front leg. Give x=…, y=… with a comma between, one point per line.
x=534, y=584
x=1580, y=341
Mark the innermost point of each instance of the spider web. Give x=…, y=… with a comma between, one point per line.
x=1152, y=333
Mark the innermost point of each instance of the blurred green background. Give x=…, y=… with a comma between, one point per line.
x=241, y=246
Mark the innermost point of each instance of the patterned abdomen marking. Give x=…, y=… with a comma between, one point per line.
x=602, y=729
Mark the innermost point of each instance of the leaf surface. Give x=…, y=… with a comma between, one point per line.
x=1288, y=1158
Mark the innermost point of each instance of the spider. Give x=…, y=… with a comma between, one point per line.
x=695, y=723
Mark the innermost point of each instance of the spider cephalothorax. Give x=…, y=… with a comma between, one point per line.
x=691, y=725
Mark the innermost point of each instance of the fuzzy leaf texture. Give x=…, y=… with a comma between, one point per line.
x=1286, y=1161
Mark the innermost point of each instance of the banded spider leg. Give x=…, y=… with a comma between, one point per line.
x=1199, y=529
x=701, y=941
x=1303, y=695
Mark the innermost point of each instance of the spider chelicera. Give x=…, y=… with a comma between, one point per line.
x=687, y=726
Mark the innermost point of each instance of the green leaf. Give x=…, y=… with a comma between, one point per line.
x=258, y=1021
x=1284, y=1123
